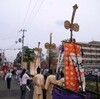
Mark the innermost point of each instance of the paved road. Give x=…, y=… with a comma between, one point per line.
x=13, y=93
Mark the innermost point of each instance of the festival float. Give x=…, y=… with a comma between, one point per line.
x=74, y=76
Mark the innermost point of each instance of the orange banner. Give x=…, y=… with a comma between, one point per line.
x=70, y=71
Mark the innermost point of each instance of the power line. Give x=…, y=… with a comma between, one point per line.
x=11, y=49
x=6, y=38
x=26, y=12
x=35, y=10
x=36, y=3
x=39, y=8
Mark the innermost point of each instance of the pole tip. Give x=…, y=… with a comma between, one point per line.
x=75, y=6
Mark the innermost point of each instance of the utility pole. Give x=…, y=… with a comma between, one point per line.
x=23, y=36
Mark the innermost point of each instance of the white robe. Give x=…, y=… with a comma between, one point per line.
x=38, y=85
x=48, y=86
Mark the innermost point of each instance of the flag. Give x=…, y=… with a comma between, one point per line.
x=71, y=73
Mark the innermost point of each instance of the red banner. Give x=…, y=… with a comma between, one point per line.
x=70, y=74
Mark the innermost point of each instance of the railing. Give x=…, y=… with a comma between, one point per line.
x=94, y=95
x=93, y=82
x=64, y=93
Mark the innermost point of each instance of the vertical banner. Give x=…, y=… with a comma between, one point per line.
x=71, y=75
x=36, y=63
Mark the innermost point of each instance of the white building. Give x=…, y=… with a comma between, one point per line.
x=91, y=54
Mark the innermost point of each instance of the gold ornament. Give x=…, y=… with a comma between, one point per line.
x=76, y=27
x=67, y=24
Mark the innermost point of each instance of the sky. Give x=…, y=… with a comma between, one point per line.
x=40, y=18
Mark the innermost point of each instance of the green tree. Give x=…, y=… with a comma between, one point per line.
x=29, y=56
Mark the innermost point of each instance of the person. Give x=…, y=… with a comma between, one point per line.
x=8, y=78
x=61, y=81
x=38, y=85
x=23, y=82
x=58, y=75
x=48, y=85
x=31, y=86
x=5, y=68
x=18, y=73
x=45, y=74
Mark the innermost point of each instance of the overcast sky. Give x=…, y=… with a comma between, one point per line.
x=41, y=17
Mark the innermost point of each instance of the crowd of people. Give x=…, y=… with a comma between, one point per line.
x=38, y=85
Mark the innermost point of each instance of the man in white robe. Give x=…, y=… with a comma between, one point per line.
x=49, y=86
x=38, y=85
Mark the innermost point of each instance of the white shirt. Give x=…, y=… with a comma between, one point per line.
x=24, y=79
x=18, y=72
x=8, y=75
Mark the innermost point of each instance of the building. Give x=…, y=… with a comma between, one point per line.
x=91, y=54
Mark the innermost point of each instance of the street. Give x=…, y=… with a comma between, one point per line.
x=13, y=93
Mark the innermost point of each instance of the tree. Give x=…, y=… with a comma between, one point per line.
x=29, y=56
